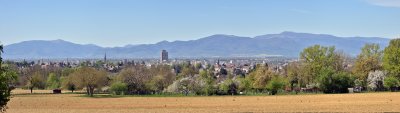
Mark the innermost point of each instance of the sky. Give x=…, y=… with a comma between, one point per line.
x=111, y=23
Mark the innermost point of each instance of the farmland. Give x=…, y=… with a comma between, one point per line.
x=43, y=102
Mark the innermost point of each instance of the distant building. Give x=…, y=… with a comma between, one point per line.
x=105, y=57
x=164, y=55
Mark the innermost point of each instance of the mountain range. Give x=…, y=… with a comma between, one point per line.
x=288, y=44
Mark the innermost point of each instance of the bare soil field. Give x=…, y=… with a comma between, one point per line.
x=76, y=103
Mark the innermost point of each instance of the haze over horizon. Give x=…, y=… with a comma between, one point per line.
x=186, y=40
x=110, y=24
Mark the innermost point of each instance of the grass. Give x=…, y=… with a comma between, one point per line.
x=193, y=95
x=107, y=95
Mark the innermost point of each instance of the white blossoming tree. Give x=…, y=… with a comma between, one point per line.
x=375, y=80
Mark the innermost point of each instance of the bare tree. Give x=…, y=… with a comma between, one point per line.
x=136, y=78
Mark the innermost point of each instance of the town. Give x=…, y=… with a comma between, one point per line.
x=199, y=56
x=115, y=65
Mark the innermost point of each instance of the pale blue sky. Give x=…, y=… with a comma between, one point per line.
x=119, y=22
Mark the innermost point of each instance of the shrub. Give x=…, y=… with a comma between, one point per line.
x=118, y=88
x=391, y=83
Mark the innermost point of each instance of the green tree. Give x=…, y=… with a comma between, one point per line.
x=7, y=77
x=156, y=83
x=209, y=81
x=244, y=84
x=52, y=81
x=317, y=57
x=118, y=88
x=293, y=73
x=368, y=60
x=331, y=81
x=89, y=78
x=391, y=58
x=187, y=71
x=391, y=83
x=228, y=87
x=277, y=83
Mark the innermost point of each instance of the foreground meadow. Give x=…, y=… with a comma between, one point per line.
x=76, y=103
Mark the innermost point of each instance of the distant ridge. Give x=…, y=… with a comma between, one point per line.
x=287, y=44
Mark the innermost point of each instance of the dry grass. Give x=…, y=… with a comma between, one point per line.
x=28, y=92
x=21, y=91
x=74, y=103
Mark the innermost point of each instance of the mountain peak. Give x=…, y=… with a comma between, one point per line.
x=288, y=32
x=162, y=42
x=58, y=41
x=291, y=33
x=222, y=35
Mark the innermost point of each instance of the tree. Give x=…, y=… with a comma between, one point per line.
x=67, y=83
x=244, y=84
x=207, y=77
x=187, y=71
x=228, y=86
x=52, y=81
x=195, y=85
x=184, y=85
x=136, y=78
x=67, y=71
x=368, y=60
x=118, y=88
x=156, y=84
x=276, y=83
x=7, y=77
x=198, y=66
x=317, y=57
x=375, y=80
x=162, y=77
x=36, y=80
x=260, y=77
x=391, y=83
x=90, y=78
x=391, y=58
x=33, y=77
x=293, y=73
x=332, y=81
x=67, y=80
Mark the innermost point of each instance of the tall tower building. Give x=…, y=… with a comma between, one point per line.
x=105, y=57
x=164, y=55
